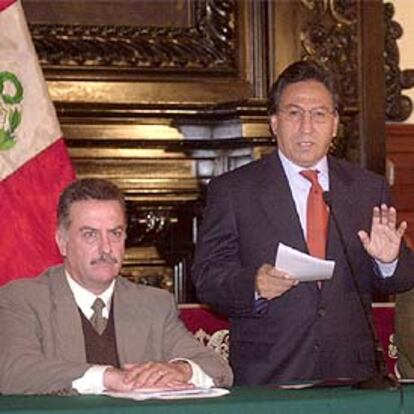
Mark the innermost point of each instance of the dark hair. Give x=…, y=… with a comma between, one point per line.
x=298, y=72
x=87, y=189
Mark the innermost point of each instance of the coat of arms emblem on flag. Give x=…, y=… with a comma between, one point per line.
x=11, y=96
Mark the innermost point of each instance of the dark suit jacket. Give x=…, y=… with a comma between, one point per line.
x=306, y=333
x=42, y=346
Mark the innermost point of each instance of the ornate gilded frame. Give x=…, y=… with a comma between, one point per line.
x=151, y=64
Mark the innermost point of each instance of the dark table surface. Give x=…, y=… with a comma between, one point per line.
x=241, y=400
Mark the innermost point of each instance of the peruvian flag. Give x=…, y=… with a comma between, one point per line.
x=34, y=162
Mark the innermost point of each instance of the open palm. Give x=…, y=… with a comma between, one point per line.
x=383, y=242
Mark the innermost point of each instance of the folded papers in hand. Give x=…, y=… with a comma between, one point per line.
x=301, y=266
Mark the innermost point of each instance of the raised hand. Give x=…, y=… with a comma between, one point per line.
x=384, y=241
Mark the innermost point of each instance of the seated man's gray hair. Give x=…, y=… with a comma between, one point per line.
x=87, y=189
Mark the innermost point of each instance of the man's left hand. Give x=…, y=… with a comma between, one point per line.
x=159, y=375
x=384, y=242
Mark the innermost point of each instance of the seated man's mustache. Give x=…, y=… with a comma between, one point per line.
x=104, y=258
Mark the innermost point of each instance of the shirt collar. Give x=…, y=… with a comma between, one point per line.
x=85, y=299
x=293, y=170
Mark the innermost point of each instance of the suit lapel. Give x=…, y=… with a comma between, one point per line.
x=277, y=202
x=66, y=319
x=342, y=194
x=132, y=324
x=131, y=321
x=341, y=185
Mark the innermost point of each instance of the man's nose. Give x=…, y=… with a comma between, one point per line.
x=307, y=122
x=105, y=244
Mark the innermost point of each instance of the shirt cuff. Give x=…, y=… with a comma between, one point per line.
x=386, y=269
x=198, y=378
x=92, y=381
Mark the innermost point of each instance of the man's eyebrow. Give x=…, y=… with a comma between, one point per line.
x=120, y=226
x=83, y=228
x=300, y=107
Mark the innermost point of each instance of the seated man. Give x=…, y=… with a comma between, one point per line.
x=81, y=328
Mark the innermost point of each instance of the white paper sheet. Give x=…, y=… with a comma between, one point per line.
x=168, y=394
x=301, y=266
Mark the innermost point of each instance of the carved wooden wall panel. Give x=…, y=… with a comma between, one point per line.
x=209, y=43
x=400, y=171
x=201, y=61
x=398, y=106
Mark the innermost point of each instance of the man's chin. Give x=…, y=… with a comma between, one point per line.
x=109, y=270
x=306, y=160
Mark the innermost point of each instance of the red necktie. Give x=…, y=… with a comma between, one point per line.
x=317, y=215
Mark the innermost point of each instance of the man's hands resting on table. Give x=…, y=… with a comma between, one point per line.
x=148, y=375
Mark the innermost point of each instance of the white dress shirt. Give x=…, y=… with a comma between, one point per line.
x=300, y=187
x=92, y=381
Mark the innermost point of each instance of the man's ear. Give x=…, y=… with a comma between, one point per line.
x=61, y=240
x=273, y=124
x=335, y=126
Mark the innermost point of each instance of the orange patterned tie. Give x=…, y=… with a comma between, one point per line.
x=317, y=216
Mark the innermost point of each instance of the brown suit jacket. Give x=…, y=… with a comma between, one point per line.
x=42, y=345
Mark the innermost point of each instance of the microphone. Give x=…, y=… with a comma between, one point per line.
x=381, y=379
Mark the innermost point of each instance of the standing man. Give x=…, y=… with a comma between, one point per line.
x=80, y=327
x=282, y=330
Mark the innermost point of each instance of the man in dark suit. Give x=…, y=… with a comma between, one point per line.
x=82, y=328
x=282, y=330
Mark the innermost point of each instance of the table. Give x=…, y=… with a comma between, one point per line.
x=242, y=400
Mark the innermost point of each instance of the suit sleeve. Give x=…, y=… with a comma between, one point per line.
x=218, y=273
x=179, y=343
x=24, y=368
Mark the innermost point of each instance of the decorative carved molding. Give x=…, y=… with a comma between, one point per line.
x=218, y=341
x=398, y=106
x=329, y=35
x=343, y=11
x=149, y=225
x=209, y=45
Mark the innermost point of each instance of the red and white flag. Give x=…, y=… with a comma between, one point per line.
x=34, y=162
